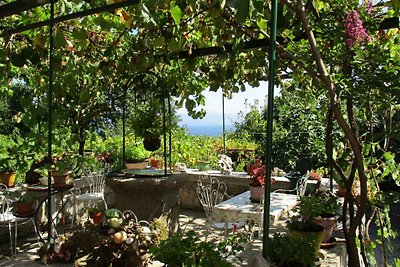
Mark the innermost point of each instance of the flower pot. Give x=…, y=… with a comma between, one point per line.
x=316, y=233
x=8, y=178
x=137, y=165
x=203, y=165
x=96, y=216
x=60, y=178
x=256, y=193
x=328, y=224
x=23, y=208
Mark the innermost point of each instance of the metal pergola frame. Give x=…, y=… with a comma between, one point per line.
x=19, y=6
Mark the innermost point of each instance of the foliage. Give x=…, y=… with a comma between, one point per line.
x=187, y=250
x=321, y=203
x=288, y=251
x=96, y=209
x=27, y=199
x=136, y=152
x=257, y=173
x=15, y=154
x=298, y=128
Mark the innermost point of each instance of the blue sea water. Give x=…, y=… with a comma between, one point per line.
x=209, y=130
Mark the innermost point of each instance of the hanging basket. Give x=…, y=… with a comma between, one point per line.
x=151, y=143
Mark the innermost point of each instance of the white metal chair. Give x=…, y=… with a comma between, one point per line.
x=210, y=192
x=300, y=189
x=95, y=183
x=8, y=219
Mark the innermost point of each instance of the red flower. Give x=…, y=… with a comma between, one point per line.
x=257, y=174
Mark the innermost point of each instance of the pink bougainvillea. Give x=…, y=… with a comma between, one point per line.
x=369, y=5
x=355, y=32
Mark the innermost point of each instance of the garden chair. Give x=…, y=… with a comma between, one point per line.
x=210, y=192
x=300, y=188
x=12, y=221
x=95, y=182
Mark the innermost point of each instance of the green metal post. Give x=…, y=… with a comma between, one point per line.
x=165, y=134
x=50, y=124
x=124, y=127
x=169, y=133
x=223, y=123
x=268, y=161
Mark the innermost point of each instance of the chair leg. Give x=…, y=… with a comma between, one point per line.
x=226, y=230
x=36, y=230
x=11, y=239
x=105, y=203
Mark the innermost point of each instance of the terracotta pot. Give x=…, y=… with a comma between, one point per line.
x=341, y=192
x=8, y=178
x=61, y=178
x=256, y=193
x=136, y=165
x=96, y=217
x=24, y=208
x=328, y=224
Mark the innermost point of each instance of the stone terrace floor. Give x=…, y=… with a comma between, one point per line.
x=189, y=220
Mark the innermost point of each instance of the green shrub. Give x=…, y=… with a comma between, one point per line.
x=287, y=251
x=189, y=250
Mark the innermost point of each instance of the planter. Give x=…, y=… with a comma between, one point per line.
x=60, y=178
x=8, y=178
x=316, y=231
x=96, y=216
x=151, y=143
x=256, y=193
x=136, y=165
x=203, y=165
x=328, y=224
x=22, y=208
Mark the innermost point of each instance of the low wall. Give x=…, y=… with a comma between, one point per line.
x=148, y=197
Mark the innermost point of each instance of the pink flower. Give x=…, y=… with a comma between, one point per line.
x=355, y=32
x=369, y=4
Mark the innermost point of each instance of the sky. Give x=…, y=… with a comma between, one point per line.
x=233, y=106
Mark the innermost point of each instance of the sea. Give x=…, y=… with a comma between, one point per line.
x=209, y=130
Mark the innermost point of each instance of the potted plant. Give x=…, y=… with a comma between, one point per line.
x=257, y=176
x=25, y=205
x=325, y=209
x=147, y=121
x=288, y=251
x=61, y=169
x=302, y=227
x=317, y=174
x=8, y=160
x=96, y=213
x=136, y=156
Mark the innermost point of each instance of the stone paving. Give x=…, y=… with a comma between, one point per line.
x=189, y=220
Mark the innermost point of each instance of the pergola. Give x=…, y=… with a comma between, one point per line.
x=19, y=6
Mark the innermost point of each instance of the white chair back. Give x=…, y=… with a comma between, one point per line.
x=96, y=182
x=210, y=193
x=301, y=185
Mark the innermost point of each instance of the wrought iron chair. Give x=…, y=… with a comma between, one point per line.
x=95, y=183
x=300, y=189
x=210, y=192
x=10, y=220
